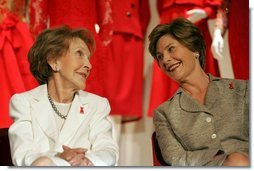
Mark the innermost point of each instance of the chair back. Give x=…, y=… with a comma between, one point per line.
x=5, y=154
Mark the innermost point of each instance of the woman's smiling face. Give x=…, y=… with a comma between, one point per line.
x=75, y=65
x=176, y=60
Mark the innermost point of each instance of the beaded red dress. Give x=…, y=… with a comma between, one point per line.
x=78, y=13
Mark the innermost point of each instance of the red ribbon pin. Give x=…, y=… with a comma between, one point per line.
x=231, y=85
x=81, y=110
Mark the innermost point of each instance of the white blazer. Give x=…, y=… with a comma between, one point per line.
x=34, y=132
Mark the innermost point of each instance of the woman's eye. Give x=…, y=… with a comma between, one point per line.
x=159, y=57
x=171, y=49
x=80, y=53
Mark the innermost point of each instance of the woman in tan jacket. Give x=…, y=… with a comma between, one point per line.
x=206, y=122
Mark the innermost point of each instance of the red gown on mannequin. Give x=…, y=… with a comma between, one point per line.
x=15, y=41
x=78, y=13
x=233, y=16
x=238, y=37
x=162, y=86
x=124, y=86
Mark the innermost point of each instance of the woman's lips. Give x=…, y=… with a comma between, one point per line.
x=173, y=67
x=84, y=75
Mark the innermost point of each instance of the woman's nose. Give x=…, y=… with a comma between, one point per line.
x=88, y=64
x=166, y=58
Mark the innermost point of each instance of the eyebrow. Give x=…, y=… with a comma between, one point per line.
x=81, y=47
x=166, y=47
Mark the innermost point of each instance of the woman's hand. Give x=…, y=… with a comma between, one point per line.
x=74, y=156
x=86, y=162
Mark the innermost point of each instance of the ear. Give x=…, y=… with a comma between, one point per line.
x=196, y=55
x=53, y=64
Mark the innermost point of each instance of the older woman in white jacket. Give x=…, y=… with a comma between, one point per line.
x=57, y=123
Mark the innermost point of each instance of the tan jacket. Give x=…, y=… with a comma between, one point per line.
x=190, y=134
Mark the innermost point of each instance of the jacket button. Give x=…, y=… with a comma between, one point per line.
x=213, y=136
x=128, y=13
x=208, y=119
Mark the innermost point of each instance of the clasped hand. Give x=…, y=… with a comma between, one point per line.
x=75, y=156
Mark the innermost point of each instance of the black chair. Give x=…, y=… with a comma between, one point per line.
x=5, y=154
x=157, y=157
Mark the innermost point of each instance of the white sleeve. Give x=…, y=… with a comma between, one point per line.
x=105, y=150
x=23, y=149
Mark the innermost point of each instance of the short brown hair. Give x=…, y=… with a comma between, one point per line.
x=53, y=43
x=185, y=32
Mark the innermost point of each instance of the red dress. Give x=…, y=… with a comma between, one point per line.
x=15, y=42
x=78, y=13
x=124, y=86
x=238, y=37
x=233, y=16
x=162, y=87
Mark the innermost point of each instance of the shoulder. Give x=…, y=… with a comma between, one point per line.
x=237, y=82
x=234, y=85
x=98, y=104
x=168, y=104
x=35, y=92
x=90, y=96
x=93, y=99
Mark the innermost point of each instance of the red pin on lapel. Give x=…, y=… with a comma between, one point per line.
x=231, y=85
x=81, y=110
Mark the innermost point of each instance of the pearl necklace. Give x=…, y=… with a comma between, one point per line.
x=55, y=109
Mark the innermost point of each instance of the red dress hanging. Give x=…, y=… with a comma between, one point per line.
x=124, y=86
x=15, y=76
x=78, y=13
x=238, y=37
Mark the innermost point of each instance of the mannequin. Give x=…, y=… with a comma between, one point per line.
x=195, y=15
x=221, y=25
x=233, y=16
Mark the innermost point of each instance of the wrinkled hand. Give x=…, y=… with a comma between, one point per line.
x=74, y=156
x=217, y=44
x=196, y=15
x=86, y=162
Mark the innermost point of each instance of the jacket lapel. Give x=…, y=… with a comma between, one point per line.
x=78, y=112
x=187, y=103
x=212, y=93
x=44, y=112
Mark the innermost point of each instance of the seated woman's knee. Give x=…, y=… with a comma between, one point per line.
x=43, y=161
x=236, y=159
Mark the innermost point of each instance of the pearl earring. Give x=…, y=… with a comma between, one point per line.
x=57, y=68
x=196, y=55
